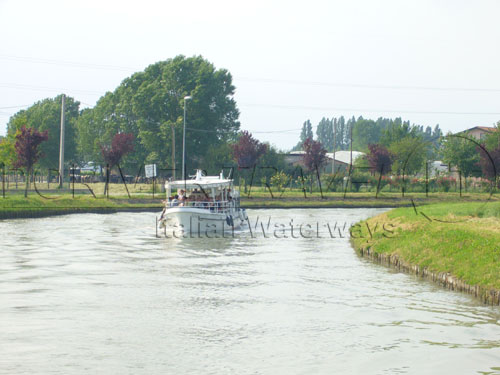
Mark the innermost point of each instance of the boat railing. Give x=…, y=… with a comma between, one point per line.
x=217, y=206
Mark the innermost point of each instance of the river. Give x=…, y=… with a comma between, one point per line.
x=102, y=294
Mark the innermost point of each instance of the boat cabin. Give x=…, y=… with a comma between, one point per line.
x=201, y=191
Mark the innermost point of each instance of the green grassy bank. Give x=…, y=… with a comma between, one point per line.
x=295, y=199
x=59, y=202
x=458, y=239
x=16, y=206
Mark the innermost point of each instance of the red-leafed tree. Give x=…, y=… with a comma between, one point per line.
x=490, y=163
x=122, y=144
x=27, y=153
x=315, y=155
x=248, y=150
x=379, y=158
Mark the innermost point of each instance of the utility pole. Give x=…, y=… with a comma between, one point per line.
x=61, y=144
x=351, y=144
x=173, y=152
x=334, y=143
x=186, y=98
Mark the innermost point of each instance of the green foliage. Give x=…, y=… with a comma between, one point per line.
x=263, y=181
x=396, y=130
x=8, y=151
x=219, y=157
x=150, y=105
x=324, y=133
x=343, y=133
x=409, y=155
x=45, y=115
x=280, y=180
x=493, y=139
x=306, y=132
x=269, y=163
x=388, y=132
x=463, y=154
x=365, y=132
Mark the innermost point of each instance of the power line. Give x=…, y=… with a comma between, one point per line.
x=284, y=106
x=366, y=86
x=16, y=106
x=66, y=63
x=257, y=132
x=370, y=110
x=18, y=86
x=76, y=64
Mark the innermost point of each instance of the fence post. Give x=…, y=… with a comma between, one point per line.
x=3, y=181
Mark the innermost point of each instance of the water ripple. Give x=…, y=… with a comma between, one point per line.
x=99, y=293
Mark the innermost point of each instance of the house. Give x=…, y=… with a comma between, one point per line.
x=479, y=132
x=437, y=167
x=342, y=159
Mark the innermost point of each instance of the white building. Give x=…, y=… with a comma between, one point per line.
x=342, y=159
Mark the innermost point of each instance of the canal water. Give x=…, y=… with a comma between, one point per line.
x=102, y=294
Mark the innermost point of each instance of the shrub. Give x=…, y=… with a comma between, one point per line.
x=280, y=180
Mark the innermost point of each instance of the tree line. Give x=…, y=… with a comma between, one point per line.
x=404, y=147
x=150, y=106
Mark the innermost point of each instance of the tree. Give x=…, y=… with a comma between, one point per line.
x=324, y=133
x=315, y=155
x=462, y=154
x=306, y=131
x=398, y=130
x=27, y=142
x=8, y=151
x=45, y=115
x=219, y=157
x=379, y=158
x=342, y=135
x=248, y=150
x=270, y=162
x=149, y=104
x=493, y=139
x=280, y=179
x=364, y=133
x=408, y=155
x=490, y=163
x=122, y=144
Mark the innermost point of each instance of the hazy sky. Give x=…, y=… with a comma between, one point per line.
x=427, y=61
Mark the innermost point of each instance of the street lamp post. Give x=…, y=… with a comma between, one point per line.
x=186, y=98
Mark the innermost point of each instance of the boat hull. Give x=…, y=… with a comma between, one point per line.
x=185, y=221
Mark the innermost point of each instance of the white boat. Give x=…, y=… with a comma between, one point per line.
x=210, y=206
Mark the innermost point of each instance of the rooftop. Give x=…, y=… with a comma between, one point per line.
x=483, y=128
x=340, y=156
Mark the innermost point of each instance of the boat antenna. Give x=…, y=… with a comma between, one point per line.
x=186, y=98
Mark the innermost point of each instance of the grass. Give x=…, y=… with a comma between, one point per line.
x=142, y=197
x=65, y=202
x=460, y=238
x=97, y=188
x=321, y=203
